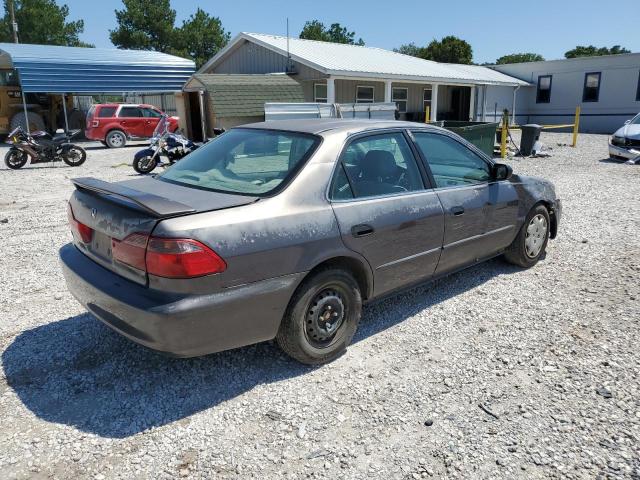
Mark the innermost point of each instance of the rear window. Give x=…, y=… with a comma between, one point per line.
x=106, y=112
x=244, y=161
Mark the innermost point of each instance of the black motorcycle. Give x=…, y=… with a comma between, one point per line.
x=172, y=146
x=41, y=147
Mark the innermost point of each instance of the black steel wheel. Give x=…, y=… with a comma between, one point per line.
x=74, y=156
x=322, y=317
x=15, y=159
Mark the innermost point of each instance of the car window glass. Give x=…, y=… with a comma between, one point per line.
x=249, y=161
x=151, y=113
x=106, y=112
x=130, y=112
x=452, y=164
x=380, y=165
x=341, y=190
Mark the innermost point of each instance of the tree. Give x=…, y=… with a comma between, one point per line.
x=411, y=49
x=42, y=21
x=449, y=50
x=591, y=51
x=201, y=37
x=336, y=33
x=519, y=58
x=145, y=25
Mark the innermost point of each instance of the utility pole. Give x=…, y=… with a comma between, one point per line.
x=13, y=22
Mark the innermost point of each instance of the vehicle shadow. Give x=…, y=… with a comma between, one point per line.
x=78, y=372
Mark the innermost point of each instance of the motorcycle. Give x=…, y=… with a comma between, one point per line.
x=41, y=147
x=172, y=146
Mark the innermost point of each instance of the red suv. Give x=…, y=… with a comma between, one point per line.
x=114, y=123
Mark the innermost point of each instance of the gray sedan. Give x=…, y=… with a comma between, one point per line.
x=284, y=229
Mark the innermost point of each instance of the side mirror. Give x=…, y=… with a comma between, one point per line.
x=502, y=171
x=627, y=122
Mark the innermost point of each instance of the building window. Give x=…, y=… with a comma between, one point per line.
x=544, y=89
x=591, y=90
x=364, y=94
x=638, y=91
x=400, y=96
x=320, y=93
x=426, y=100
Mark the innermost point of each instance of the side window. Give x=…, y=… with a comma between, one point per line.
x=341, y=189
x=543, y=94
x=151, y=113
x=591, y=90
x=106, y=112
x=452, y=164
x=130, y=112
x=381, y=165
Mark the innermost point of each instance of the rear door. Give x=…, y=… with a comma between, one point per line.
x=132, y=121
x=151, y=119
x=386, y=209
x=480, y=214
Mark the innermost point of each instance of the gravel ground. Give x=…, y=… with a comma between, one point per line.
x=493, y=372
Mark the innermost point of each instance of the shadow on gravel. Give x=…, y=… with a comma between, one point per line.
x=78, y=372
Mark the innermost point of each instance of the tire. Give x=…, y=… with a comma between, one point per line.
x=116, y=139
x=531, y=242
x=304, y=333
x=144, y=165
x=74, y=156
x=15, y=159
x=35, y=121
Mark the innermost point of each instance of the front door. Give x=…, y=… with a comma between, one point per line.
x=384, y=211
x=132, y=121
x=464, y=185
x=151, y=119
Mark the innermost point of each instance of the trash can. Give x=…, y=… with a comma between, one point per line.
x=530, y=135
x=481, y=134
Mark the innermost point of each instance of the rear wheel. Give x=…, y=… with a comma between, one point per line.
x=15, y=159
x=74, y=156
x=322, y=317
x=531, y=241
x=144, y=164
x=116, y=139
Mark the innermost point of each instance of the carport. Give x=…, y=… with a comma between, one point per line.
x=45, y=69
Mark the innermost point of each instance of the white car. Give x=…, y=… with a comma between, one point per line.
x=625, y=143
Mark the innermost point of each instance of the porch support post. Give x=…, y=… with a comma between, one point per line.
x=331, y=90
x=434, y=102
x=202, y=116
x=484, y=103
x=387, y=91
x=64, y=109
x=513, y=106
x=472, y=104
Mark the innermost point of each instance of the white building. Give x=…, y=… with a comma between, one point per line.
x=607, y=89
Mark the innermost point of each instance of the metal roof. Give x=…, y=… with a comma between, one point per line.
x=54, y=69
x=360, y=61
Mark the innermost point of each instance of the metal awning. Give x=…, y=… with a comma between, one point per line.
x=54, y=69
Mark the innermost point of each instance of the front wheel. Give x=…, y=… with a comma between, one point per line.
x=144, y=165
x=531, y=242
x=15, y=159
x=322, y=317
x=74, y=156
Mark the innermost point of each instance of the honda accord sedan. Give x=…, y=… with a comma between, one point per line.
x=284, y=229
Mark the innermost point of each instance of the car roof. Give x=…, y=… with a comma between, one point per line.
x=321, y=125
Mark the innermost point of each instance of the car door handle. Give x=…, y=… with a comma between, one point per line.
x=457, y=211
x=361, y=230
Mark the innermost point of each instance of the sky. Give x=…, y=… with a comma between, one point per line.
x=493, y=28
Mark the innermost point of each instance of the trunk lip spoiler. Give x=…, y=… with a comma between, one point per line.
x=150, y=203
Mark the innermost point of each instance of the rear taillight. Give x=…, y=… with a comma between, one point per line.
x=84, y=232
x=181, y=258
x=95, y=123
x=167, y=257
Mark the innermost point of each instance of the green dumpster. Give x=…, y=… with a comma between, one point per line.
x=481, y=134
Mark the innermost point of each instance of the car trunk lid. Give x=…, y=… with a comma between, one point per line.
x=115, y=211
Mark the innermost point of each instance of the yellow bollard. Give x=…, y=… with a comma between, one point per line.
x=503, y=138
x=576, y=126
x=427, y=114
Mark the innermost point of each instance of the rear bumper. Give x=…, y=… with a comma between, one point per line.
x=93, y=134
x=179, y=325
x=621, y=152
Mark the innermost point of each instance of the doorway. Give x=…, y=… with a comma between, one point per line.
x=194, y=117
x=460, y=103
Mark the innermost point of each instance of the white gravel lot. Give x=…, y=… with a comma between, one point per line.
x=494, y=372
